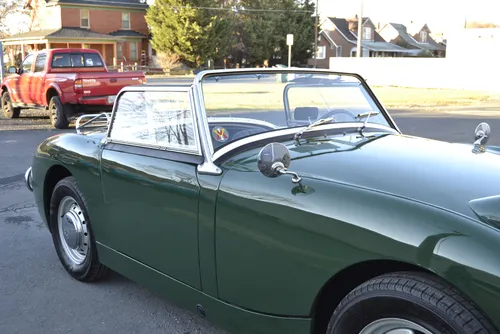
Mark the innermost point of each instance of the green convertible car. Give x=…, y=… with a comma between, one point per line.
x=279, y=201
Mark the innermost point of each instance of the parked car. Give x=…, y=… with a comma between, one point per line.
x=279, y=207
x=67, y=82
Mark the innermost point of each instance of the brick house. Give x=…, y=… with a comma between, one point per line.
x=419, y=39
x=338, y=38
x=117, y=29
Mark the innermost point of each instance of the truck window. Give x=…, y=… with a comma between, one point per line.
x=27, y=64
x=71, y=60
x=40, y=62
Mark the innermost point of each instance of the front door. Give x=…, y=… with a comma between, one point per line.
x=22, y=90
x=150, y=183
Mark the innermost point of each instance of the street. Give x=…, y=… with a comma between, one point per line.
x=38, y=296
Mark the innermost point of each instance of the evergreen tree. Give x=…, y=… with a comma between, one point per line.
x=190, y=29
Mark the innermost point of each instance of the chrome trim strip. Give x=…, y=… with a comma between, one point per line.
x=215, y=119
x=28, y=179
x=207, y=167
x=290, y=131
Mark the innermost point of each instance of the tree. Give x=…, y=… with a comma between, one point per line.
x=190, y=29
x=266, y=24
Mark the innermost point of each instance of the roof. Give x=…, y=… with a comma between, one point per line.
x=139, y=4
x=378, y=43
x=384, y=47
x=73, y=33
x=403, y=32
x=127, y=33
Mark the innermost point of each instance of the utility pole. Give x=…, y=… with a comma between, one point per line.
x=360, y=30
x=316, y=37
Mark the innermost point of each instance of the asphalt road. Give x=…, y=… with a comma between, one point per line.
x=36, y=294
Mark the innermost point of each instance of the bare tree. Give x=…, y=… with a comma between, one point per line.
x=11, y=13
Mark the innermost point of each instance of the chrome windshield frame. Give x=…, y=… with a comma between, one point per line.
x=209, y=166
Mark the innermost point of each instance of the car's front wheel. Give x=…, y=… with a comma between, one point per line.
x=8, y=110
x=410, y=303
x=72, y=232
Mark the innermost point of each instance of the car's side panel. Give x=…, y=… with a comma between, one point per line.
x=278, y=245
x=151, y=198
x=234, y=319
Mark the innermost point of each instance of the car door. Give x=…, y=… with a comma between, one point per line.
x=23, y=84
x=36, y=91
x=149, y=181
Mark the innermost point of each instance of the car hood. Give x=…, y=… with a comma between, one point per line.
x=439, y=173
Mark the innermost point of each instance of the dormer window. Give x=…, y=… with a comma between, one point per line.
x=126, y=20
x=423, y=36
x=84, y=18
x=367, y=33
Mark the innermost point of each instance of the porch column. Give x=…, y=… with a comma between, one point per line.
x=115, y=61
x=104, y=52
x=23, y=53
x=47, y=45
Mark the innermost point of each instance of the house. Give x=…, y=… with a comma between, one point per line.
x=338, y=38
x=117, y=29
x=416, y=39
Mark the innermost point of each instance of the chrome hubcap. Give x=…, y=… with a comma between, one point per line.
x=394, y=326
x=73, y=231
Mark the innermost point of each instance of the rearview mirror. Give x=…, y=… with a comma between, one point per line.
x=274, y=160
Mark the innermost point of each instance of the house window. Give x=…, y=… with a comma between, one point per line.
x=339, y=51
x=133, y=50
x=126, y=20
x=423, y=36
x=321, y=54
x=119, y=51
x=84, y=18
x=367, y=33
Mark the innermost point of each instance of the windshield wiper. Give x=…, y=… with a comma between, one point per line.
x=312, y=125
x=367, y=115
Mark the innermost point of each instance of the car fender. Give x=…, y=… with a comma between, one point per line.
x=56, y=87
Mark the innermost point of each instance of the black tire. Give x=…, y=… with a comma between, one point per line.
x=8, y=110
x=57, y=111
x=420, y=298
x=90, y=269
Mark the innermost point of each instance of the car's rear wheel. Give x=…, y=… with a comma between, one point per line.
x=8, y=110
x=407, y=303
x=72, y=232
x=57, y=113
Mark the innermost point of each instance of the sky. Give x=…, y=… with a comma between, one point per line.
x=440, y=15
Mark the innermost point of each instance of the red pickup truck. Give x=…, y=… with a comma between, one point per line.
x=67, y=82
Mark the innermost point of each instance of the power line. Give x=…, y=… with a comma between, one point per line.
x=245, y=9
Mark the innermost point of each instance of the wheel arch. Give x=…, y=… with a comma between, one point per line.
x=54, y=174
x=51, y=92
x=335, y=289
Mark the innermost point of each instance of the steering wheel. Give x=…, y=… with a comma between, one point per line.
x=340, y=111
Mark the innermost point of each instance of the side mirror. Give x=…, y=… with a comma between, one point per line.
x=12, y=70
x=274, y=160
x=481, y=136
x=482, y=133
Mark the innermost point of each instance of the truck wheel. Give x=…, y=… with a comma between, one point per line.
x=58, y=116
x=407, y=302
x=72, y=232
x=8, y=110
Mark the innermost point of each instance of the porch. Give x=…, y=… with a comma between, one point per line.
x=115, y=50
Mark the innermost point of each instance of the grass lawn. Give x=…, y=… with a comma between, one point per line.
x=423, y=97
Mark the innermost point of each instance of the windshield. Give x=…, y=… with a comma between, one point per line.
x=239, y=105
